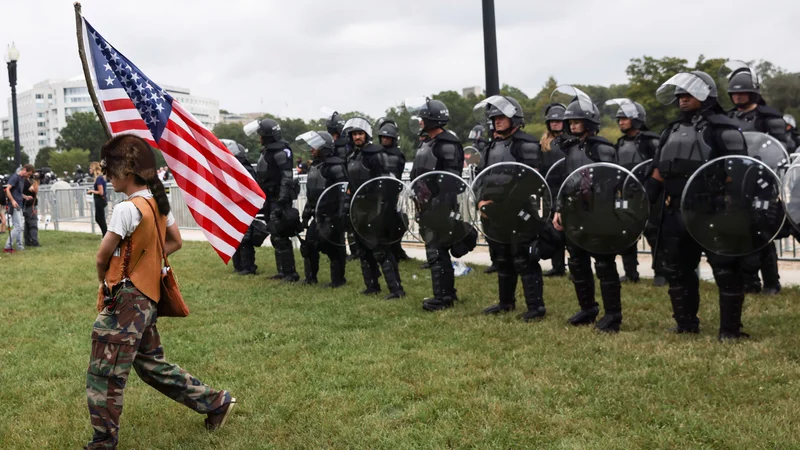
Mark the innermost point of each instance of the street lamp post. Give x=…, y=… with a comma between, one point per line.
x=12, y=56
x=490, y=49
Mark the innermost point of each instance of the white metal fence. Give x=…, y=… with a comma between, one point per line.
x=74, y=205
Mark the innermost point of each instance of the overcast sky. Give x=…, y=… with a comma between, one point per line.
x=291, y=57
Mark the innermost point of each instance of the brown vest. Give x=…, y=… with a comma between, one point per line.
x=142, y=252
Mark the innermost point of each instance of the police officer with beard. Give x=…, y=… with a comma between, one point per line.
x=366, y=161
x=442, y=151
x=326, y=169
x=244, y=260
x=274, y=176
x=584, y=148
x=703, y=132
x=551, y=146
x=511, y=144
x=637, y=145
x=388, y=133
x=751, y=113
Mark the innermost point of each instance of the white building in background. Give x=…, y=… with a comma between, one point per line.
x=5, y=128
x=477, y=91
x=43, y=111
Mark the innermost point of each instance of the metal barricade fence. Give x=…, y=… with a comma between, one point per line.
x=73, y=204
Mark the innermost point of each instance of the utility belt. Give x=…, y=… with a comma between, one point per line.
x=110, y=294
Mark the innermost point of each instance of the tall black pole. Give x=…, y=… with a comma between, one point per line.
x=12, y=80
x=490, y=49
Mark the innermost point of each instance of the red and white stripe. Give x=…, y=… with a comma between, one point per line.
x=220, y=194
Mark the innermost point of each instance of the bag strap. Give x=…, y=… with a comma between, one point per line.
x=160, y=238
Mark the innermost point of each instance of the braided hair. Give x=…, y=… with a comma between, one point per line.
x=127, y=154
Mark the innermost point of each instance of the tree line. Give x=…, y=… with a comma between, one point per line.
x=83, y=137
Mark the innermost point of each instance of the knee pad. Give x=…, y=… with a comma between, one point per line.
x=727, y=279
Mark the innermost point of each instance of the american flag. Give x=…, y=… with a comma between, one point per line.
x=221, y=196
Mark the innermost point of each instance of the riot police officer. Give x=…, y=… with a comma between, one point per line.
x=388, y=133
x=334, y=125
x=792, y=137
x=511, y=144
x=637, y=145
x=702, y=132
x=751, y=113
x=480, y=141
x=585, y=147
x=551, y=143
x=274, y=176
x=441, y=151
x=326, y=169
x=366, y=161
x=244, y=260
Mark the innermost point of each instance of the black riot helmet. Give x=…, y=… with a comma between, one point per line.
x=477, y=133
x=328, y=148
x=744, y=81
x=434, y=114
x=632, y=110
x=388, y=128
x=505, y=106
x=335, y=123
x=705, y=78
x=268, y=129
x=554, y=112
x=237, y=150
x=588, y=112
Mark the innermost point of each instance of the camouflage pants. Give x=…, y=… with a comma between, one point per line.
x=125, y=336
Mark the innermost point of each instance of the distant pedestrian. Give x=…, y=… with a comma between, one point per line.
x=14, y=188
x=29, y=211
x=100, y=196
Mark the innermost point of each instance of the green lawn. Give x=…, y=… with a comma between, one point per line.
x=314, y=368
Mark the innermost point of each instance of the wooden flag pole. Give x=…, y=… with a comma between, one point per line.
x=86, y=72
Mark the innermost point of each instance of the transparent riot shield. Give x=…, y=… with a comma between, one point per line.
x=732, y=205
x=642, y=170
x=513, y=201
x=791, y=195
x=443, y=206
x=331, y=214
x=603, y=208
x=768, y=150
x=376, y=211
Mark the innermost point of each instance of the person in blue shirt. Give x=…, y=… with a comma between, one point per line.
x=100, y=198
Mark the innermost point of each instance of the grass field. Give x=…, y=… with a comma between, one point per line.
x=332, y=369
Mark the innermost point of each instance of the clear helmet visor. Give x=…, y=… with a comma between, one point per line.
x=683, y=83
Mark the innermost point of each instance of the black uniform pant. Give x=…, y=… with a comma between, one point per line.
x=311, y=249
x=558, y=241
x=100, y=216
x=681, y=256
x=442, y=273
x=580, y=266
x=514, y=261
x=374, y=259
x=765, y=260
x=31, y=229
x=284, y=254
x=630, y=261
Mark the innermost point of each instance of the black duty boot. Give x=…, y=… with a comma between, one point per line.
x=612, y=304
x=337, y=272
x=730, y=317
x=584, y=289
x=769, y=270
x=490, y=269
x=310, y=269
x=554, y=272
x=506, y=286
x=370, y=278
x=290, y=274
x=279, y=265
x=630, y=277
x=532, y=286
x=685, y=322
x=391, y=275
x=443, y=291
x=659, y=280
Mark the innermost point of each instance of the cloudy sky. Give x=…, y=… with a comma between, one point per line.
x=291, y=57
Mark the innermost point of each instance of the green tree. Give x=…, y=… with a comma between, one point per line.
x=43, y=157
x=83, y=130
x=65, y=161
x=7, y=165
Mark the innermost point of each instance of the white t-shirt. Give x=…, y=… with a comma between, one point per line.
x=125, y=217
